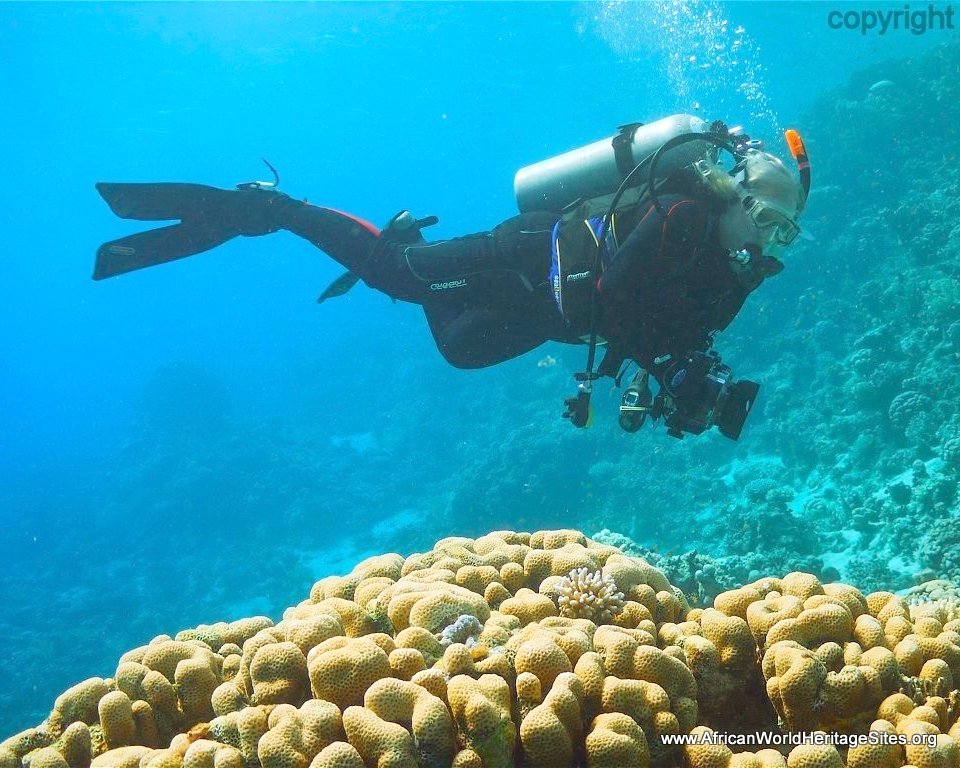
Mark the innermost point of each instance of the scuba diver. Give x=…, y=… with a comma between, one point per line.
x=643, y=243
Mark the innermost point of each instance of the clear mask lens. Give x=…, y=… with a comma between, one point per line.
x=778, y=227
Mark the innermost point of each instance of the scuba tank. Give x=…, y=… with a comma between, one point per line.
x=599, y=168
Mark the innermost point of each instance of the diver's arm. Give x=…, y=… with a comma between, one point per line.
x=643, y=296
x=660, y=245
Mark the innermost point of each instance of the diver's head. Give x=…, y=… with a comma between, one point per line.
x=764, y=202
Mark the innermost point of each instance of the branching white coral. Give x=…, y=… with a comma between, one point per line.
x=939, y=599
x=589, y=595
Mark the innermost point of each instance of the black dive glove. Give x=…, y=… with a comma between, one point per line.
x=578, y=408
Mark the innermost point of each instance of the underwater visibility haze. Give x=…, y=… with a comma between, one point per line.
x=200, y=442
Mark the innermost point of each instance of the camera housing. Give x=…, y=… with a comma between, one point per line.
x=700, y=392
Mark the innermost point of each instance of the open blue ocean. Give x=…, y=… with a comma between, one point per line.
x=201, y=441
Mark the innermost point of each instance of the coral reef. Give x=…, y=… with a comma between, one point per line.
x=462, y=656
x=849, y=466
x=879, y=320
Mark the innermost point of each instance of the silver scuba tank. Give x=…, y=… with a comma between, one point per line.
x=598, y=168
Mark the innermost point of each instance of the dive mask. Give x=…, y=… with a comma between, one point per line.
x=778, y=227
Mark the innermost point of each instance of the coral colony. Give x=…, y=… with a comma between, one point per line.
x=542, y=650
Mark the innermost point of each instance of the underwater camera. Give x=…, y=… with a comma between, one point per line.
x=698, y=392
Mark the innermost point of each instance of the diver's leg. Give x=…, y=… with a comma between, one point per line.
x=490, y=269
x=501, y=319
x=380, y=261
x=473, y=266
x=513, y=259
x=477, y=338
x=344, y=237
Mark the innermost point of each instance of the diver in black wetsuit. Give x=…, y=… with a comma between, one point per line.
x=674, y=268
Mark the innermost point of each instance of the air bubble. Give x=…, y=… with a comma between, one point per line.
x=699, y=54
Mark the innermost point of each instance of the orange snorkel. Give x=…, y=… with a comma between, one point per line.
x=799, y=152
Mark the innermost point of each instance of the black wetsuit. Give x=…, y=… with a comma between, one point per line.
x=668, y=288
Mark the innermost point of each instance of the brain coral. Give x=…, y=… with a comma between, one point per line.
x=466, y=656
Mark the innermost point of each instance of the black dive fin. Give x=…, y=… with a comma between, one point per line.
x=338, y=287
x=156, y=246
x=205, y=224
x=160, y=201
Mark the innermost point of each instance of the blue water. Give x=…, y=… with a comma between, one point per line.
x=200, y=441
